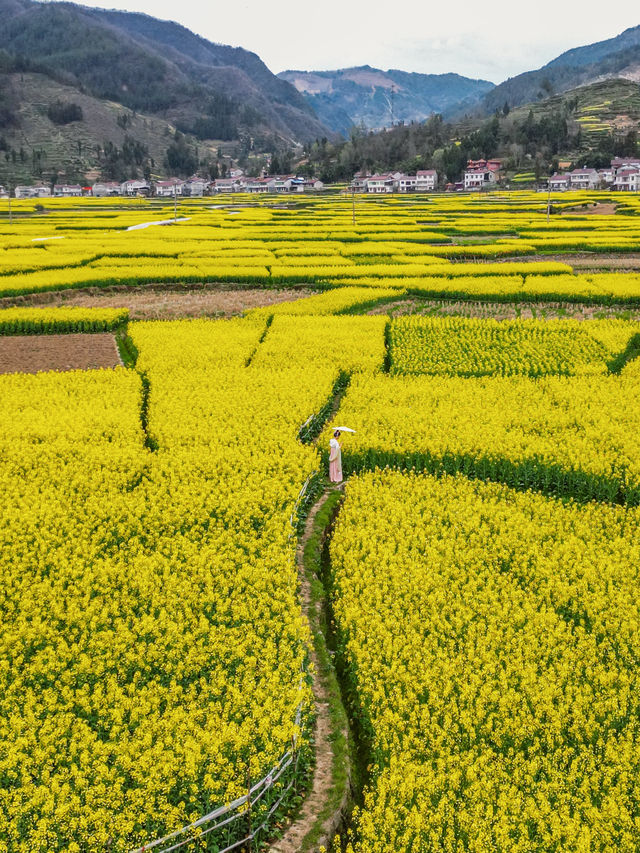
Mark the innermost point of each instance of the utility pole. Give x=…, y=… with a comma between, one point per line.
x=175, y=202
x=9, y=182
x=549, y=201
x=353, y=197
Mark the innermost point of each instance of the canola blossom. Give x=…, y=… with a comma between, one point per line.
x=153, y=657
x=491, y=641
x=468, y=347
x=431, y=245
x=38, y=321
x=553, y=433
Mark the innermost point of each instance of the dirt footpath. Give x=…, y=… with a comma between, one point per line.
x=165, y=303
x=33, y=353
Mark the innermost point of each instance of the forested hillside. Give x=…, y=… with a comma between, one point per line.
x=211, y=91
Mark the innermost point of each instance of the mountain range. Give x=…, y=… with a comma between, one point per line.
x=376, y=99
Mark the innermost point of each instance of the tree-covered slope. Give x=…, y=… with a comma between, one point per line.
x=157, y=67
x=616, y=57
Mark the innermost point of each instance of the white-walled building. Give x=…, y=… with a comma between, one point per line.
x=584, y=179
x=39, y=191
x=105, y=189
x=407, y=184
x=135, y=187
x=426, y=180
x=627, y=180
x=381, y=184
x=260, y=185
x=67, y=190
x=172, y=187
x=559, y=182
x=479, y=179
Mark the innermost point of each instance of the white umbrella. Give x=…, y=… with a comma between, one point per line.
x=343, y=429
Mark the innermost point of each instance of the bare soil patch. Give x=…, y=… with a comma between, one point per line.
x=35, y=353
x=166, y=303
x=597, y=209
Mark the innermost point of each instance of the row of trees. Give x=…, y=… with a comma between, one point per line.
x=533, y=141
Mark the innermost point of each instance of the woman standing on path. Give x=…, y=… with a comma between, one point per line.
x=335, y=458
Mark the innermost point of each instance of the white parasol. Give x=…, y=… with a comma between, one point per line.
x=343, y=429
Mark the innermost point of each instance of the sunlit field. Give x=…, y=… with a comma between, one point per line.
x=481, y=569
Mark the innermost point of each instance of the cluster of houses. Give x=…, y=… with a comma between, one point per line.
x=623, y=175
x=479, y=175
x=194, y=187
x=425, y=180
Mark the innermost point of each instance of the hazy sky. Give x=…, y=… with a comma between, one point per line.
x=478, y=40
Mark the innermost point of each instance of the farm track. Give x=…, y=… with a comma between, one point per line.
x=317, y=822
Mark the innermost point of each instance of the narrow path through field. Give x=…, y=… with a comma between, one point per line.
x=317, y=823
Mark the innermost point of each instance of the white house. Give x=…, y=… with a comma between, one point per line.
x=625, y=163
x=584, y=179
x=38, y=191
x=67, y=190
x=312, y=185
x=260, y=185
x=195, y=187
x=170, y=188
x=102, y=190
x=627, y=180
x=359, y=184
x=381, y=184
x=226, y=185
x=607, y=175
x=135, y=187
x=559, y=182
x=283, y=183
x=407, y=183
x=479, y=178
x=426, y=180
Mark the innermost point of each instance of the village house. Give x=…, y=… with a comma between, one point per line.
x=359, y=183
x=381, y=184
x=67, y=190
x=559, y=182
x=312, y=185
x=226, y=185
x=172, y=187
x=584, y=179
x=426, y=180
x=135, y=188
x=494, y=165
x=625, y=163
x=283, y=184
x=627, y=180
x=260, y=185
x=407, y=183
x=103, y=190
x=479, y=178
x=3, y=192
x=607, y=175
x=38, y=191
x=196, y=187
